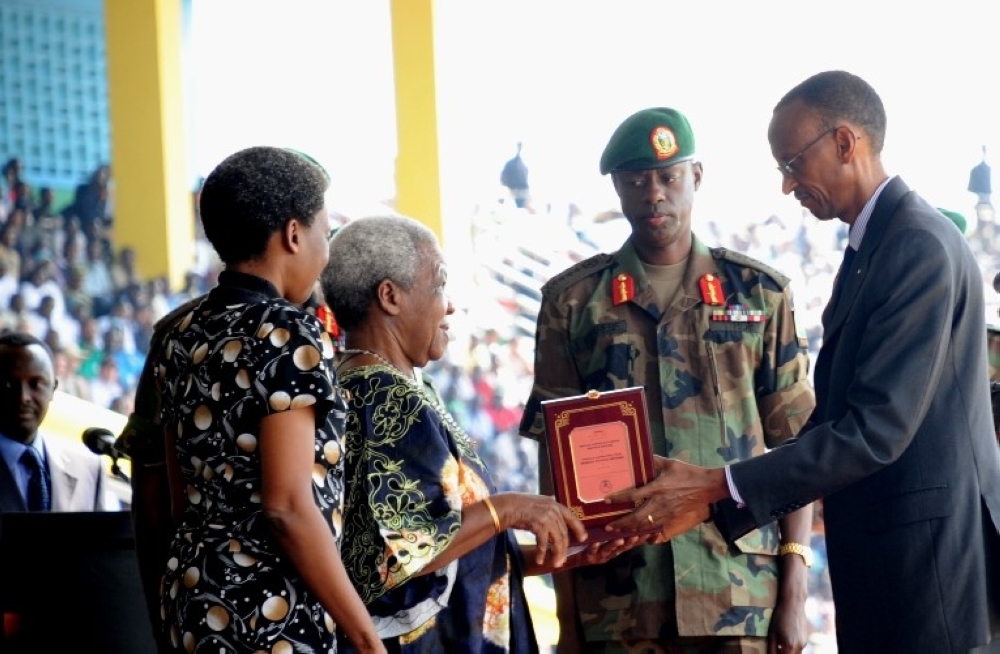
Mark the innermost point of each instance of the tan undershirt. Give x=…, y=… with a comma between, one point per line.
x=665, y=280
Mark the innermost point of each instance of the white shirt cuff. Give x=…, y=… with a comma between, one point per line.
x=733, y=491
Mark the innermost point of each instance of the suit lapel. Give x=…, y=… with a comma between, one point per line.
x=840, y=305
x=63, y=476
x=846, y=266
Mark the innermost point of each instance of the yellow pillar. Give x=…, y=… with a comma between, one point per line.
x=153, y=205
x=418, y=169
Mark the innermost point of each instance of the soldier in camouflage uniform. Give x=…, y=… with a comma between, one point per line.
x=710, y=335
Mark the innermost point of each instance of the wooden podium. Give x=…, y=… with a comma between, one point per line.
x=69, y=582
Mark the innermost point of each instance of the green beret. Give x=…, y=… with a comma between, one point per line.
x=956, y=218
x=651, y=138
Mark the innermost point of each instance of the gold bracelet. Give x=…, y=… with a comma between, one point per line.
x=493, y=512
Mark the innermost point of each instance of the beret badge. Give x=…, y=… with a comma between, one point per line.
x=664, y=142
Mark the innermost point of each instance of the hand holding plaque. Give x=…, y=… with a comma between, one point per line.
x=599, y=444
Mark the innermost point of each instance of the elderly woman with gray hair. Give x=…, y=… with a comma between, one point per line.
x=426, y=537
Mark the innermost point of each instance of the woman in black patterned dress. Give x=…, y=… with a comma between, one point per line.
x=254, y=423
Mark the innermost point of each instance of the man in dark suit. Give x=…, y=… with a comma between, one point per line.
x=901, y=442
x=39, y=473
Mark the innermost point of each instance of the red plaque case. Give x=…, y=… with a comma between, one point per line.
x=599, y=443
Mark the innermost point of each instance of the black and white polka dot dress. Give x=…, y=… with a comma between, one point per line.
x=240, y=355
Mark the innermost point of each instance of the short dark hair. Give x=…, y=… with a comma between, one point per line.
x=22, y=339
x=253, y=193
x=837, y=95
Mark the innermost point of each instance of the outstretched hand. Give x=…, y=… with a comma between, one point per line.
x=601, y=552
x=676, y=501
x=555, y=527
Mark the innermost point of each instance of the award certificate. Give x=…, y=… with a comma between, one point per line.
x=602, y=461
x=599, y=443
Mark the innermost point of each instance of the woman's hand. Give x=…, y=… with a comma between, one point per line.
x=593, y=553
x=602, y=552
x=554, y=525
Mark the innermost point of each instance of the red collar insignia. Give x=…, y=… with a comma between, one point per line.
x=711, y=290
x=325, y=316
x=623, y=289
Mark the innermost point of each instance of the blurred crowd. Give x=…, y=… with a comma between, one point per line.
x=484, y=383
x=63, y=280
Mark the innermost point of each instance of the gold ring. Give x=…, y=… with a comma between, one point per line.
x=650, y=518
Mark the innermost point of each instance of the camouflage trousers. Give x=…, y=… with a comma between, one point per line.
x=690, y=645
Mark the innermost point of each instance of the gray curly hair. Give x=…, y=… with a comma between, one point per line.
x=363, y=253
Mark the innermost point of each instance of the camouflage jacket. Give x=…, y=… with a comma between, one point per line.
x=717, y=391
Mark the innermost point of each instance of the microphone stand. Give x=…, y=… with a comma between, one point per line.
x=117, y=471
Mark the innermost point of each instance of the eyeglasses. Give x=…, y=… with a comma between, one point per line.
x=330, y=234
x=786, y=167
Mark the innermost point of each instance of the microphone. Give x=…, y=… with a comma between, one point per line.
x=102, y=441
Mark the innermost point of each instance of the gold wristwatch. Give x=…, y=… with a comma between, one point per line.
x=804, y=551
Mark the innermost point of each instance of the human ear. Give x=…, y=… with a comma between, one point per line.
x=291, y=234
x=847, y=141
x=389, y=297
x=697, y=172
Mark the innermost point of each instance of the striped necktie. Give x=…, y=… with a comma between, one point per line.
x=38, y=483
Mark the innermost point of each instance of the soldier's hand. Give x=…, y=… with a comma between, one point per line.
x=789, y=630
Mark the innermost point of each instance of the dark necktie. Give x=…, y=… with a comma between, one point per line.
x=38, y=483
x=843, y=274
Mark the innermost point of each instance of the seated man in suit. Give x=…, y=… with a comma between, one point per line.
x=38, y=473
